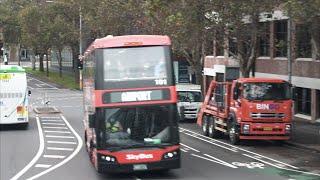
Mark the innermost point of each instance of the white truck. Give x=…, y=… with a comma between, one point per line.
x=189, y=101
x=13, y=95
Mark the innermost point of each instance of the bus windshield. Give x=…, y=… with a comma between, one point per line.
x=140, y=127
x=135, y=63
x=266, y=91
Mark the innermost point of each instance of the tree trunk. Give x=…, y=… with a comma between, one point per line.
x=60, y=62
x=47, y=64
x=41, y=68
x=75, y=64
x=19, y=55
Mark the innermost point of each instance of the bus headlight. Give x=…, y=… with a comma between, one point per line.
x=171, y=154
x=107, y=158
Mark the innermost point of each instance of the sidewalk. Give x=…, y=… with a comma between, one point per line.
x=306, y=135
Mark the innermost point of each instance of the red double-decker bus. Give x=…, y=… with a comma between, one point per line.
x=130, y=112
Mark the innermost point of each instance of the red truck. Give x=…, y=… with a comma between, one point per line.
x=247, y=108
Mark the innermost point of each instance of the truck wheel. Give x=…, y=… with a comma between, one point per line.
x=205, y=126
x=213, y=133
x=233, y=134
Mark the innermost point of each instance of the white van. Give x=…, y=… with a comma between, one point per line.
x=189, y=100
x=13, y=95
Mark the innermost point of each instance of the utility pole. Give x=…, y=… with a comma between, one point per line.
x=289, y=48
x=80, y=46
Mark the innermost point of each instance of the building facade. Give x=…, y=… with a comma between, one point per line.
x=273, y=62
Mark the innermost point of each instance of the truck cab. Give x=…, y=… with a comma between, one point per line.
x=189, y=101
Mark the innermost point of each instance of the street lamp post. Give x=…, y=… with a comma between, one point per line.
x=80, y=46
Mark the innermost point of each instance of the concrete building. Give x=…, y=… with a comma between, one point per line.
x=273, y=62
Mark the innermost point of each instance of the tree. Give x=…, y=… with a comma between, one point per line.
x=239, y=19
x=307, y=12
x=35, y=32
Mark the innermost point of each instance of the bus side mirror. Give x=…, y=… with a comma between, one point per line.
x=92, y=121
x=29, y=93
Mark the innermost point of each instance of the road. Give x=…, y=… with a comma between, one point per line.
x=52, y=148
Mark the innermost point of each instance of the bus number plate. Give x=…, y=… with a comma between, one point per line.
x=139, y=167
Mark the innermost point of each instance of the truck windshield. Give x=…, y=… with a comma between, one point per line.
x=189, y=96
x=135, y=63
x=140, y=127
x=266, y=91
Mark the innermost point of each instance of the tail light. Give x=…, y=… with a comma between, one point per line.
x=21, y=110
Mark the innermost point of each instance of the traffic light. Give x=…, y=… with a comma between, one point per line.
x=80, y=64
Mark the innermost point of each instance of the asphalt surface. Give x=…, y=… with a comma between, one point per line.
x=52, y=148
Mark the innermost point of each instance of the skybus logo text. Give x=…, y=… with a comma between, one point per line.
x=139, y=156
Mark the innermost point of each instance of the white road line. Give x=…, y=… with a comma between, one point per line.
x=48, y=117
x=241, y=149
x=60, y=142
x=218, y=162
x=216, y=159
x=74, y=153
x=63, y=137
x=50, y=120
x=60, y=132
x=60, y=149
x=42, y=165
x=190, y=147
x=183, y=150
x=43, y=83
x=277, y=166
x=208, y=141
x=38, y=155
x=54, y=156
x=47, y=127
x=29, y=87
x=58, y=124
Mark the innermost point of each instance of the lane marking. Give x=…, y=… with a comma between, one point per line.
x=42, y=165
x=208, y=141
x=60, y=142
x=216, y=159
x=183, y=150
x=63, y=137
x=36, y=157
x=60, y=149
x=43, y=82
x=48, y=127
x=189, y=147
x=50, y=120
x=280, y=167
x=60, y=132
x=218, y=162
x=54, y=156
x=241, y=149
x=58, y=124
x=49, y=117
x=80, y=144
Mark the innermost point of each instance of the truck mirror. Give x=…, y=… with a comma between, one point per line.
x=92, y=120
x=293, y=93
x=236, y=94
